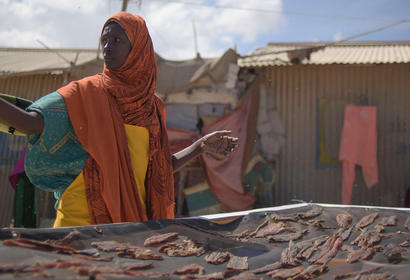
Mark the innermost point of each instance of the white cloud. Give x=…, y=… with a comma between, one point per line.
x=78, y=23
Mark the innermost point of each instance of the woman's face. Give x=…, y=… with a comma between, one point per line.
x=116, y=45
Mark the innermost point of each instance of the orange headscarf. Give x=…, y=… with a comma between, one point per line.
x=98, y=107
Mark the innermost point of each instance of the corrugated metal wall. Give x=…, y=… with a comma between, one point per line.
x=29, y=87
x=310, y=100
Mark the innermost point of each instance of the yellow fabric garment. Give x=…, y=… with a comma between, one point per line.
x=73, y=208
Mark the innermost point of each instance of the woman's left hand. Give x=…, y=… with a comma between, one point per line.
x=219, y=144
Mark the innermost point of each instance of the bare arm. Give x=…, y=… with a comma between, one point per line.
x=27, y=122
x=218, y=144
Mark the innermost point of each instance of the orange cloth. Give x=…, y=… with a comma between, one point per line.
x=98, y=107
x=358, y=146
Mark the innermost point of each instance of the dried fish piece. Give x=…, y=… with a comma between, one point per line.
x=247, y=275
x=186, y=248
x=333, y=249
x=217, y=257
x=238, y=263
x=267, y=268
x=388, y=221
x=38, y=245
x=110, y=245
x=366, y=220
x=296, y=252
x=311, y=213
x=272, y=228
x=285, y=273
x=394, y=253
x=345, y=233
x=286, y=217
x=344, y=220
x=115, y=268
x=364, y=253
x=286, y=237
x=190, y=269
x=212, y=276
x=357, y=273
x=368, y=237
x=161, y=238
x=70, y=237
x=311, y=272
x=138, y=253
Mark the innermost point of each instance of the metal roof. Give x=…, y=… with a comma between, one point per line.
x=375, y=52
x=21, y=60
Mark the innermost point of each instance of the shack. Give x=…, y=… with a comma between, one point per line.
x=308, y=85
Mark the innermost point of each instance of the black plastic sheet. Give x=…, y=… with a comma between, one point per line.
x=215, y=234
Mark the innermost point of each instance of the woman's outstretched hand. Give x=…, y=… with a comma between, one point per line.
x=219, y=144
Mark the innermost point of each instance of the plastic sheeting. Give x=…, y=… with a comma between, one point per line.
x=215, y=234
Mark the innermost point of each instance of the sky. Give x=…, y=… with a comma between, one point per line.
x=218, y=24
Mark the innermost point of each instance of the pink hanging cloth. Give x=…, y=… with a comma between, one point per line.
x=358, y=146
x=224, y=176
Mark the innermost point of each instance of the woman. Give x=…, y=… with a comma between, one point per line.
x=101, y=144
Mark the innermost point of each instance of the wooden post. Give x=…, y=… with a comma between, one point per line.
x=181, y=185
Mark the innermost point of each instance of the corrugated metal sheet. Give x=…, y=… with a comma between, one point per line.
x=29, y=87
x=299, y=92
x=344, y=53
x=18, y=60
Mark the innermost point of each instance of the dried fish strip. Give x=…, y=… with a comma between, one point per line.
x=295, y=253
x=388, y=221
x=61, y=263
x=311, y=213
x=110, y=245
x=286, y=237
x=287, y=217
x=161, y=238
x=70, y=237
x=138, y=253
x=217, y=257
x=325, y=248
x=368, y=237
x=186, y=248
x=245, y=276
x=366, y=220
x=267, y=268
x=356, y=273
x=38, y=245
x=344, y=220
x=238, y=263
x=394, y=253
x=190, y=269
x=344, y=233
x=285, y=273
x=311, y=272
x=212, y=276
x=364, y=253
x=272, y=228
x=116, y=268
x=327, y=256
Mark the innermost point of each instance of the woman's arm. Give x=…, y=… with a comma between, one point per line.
x=218, y=144
x=27, y=122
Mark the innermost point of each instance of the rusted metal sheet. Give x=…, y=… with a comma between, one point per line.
x=29, y=87
x=311, y=100
x=372, y=52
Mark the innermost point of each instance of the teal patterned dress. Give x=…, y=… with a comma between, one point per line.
x=55, y=157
